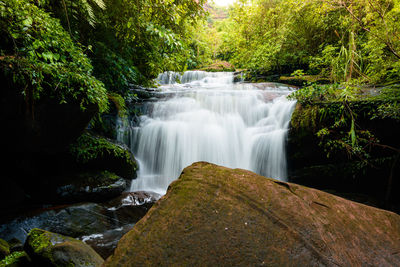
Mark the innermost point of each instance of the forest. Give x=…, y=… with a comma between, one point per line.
x=99, y=95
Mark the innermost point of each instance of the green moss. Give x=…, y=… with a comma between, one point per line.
x=12, y=259
x=98, y=153
x=305, y=117
x=95, y=179
x=89, y=147
x=39, y=240
x=303, y=80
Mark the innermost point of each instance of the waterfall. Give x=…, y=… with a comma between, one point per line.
x=211, y=119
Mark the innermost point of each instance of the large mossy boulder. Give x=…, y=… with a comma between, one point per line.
x=216, y=216
x=51, y=249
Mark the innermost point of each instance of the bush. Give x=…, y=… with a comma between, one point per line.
x=41, y=59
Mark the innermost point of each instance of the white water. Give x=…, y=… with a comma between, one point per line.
x=211, y=119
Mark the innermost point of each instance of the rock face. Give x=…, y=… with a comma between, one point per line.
x=349, y=177
x=50, y=249
x=89, y=186
x=215, y=216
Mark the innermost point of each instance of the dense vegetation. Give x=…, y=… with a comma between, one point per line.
x=342, y=40
x=80, y=49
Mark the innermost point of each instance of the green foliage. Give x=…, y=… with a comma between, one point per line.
x=391, y=107
x=314, y=93
x=340, y=40
x=89, y=147
x=333, y=112
x=40, y=57
x=298, y=73
x=12, y=258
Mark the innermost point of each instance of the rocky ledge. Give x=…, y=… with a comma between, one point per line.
x=215, y=216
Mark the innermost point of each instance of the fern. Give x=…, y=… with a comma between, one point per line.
x=89, y=9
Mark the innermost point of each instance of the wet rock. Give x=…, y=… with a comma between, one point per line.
x=75, y=220
x=90, y=186
x=132, y=206
x=126, y=210
x=105, y=243
x=51, y=249
x=101, y=224
x=216, y=216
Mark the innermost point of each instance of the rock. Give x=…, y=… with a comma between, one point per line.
x=105, y=243
x=99, y=153
x=4, y=249
x=132, y=206
x=216, y=216
x=74, y=220
x=51, y=249
x=89, y=186
x=100, y=225
x=16, y=259
x=309, y=165
x=126, y=209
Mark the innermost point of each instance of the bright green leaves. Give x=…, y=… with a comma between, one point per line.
x=27, y=22
x=44, y=59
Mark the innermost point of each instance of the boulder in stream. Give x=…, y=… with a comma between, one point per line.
x=216, y=216
x=51, y=249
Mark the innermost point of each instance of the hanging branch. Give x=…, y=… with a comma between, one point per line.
x=66, y=15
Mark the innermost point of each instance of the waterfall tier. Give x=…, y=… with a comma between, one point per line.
x=210, y=119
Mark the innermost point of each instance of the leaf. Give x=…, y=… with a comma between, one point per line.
x=27, y=22
x=353, y=134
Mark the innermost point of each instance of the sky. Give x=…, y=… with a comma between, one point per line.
x=223, y=2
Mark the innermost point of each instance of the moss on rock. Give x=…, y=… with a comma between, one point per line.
x=51, y=249
x=16, y=259
x=216, y=216
x=102, y=154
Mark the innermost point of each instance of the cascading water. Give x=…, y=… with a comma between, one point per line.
x=210, y=118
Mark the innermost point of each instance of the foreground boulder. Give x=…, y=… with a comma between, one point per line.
x=51, y=249
x=215, y=216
